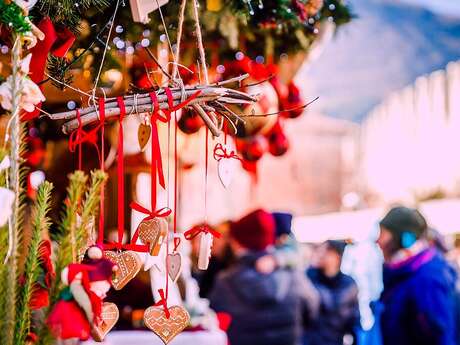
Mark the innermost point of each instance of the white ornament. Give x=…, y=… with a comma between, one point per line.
x=25, y=4
x=6, y=203
x=140, y=9
x=30, y=92
x=205, y=250
x=36, y=179
x=226, y=168
x=5, y=163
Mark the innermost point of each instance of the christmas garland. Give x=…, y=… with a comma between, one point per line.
x=12, y=16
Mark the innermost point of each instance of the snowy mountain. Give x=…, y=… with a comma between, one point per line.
x=384, y=49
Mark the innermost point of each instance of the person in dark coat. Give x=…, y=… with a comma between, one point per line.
x=339, y=309
x=419, y=285
x=266, y=308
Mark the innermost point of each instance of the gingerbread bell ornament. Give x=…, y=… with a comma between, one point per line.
x=80, y=311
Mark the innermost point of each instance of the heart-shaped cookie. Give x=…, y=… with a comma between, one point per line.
x=129, y=265
x=156, y=320
x=109, y=318
x=153, y=232
x=143, y=135
x=226, y=168
x=174, y=266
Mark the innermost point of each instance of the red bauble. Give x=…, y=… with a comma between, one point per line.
x=278, y=143
x=293, y=102
x=253, y=148
x=190, y=122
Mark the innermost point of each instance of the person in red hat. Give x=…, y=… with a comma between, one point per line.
x=265, y=308
x=80, y=305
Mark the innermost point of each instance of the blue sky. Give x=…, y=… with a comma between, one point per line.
x=442, y=6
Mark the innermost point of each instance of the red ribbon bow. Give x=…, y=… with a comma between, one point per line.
x=80, y=136
x=196, y=230
x=163, y=303
x=220, y=152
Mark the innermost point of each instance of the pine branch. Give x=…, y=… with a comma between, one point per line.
x=11, y=15
x=57, y=68
x=66, y=13
x=90, y=206
x=66, y=251
x=66, y=242
x=88, y=209
x=16, y=178
x=41, y=224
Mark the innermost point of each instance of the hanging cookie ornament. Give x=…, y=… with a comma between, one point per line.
x=206, y=239
x=143, y=134
x=153, y=232
x=109, y=317
x=129, y=265
x=227, y=163
x=166, y=328
x=174, y=265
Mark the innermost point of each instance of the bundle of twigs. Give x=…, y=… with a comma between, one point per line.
x=210, y=105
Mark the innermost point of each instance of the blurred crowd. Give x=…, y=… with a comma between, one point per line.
x=400, y=288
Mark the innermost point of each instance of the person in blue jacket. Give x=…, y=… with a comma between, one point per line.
x=419, y=286
x=338, y=319
x=266, y=308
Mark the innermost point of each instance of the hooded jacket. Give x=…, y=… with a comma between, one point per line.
x=266, y=309
x=339, y=309
x=419, y=301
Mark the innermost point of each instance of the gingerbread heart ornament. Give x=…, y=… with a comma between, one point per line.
x=129, y=264
x=156, y=320
x=143, y=135
x=153, y=232
x=174, y=264
x=109, y=318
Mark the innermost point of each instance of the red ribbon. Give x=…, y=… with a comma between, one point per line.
x=121, y=173
x=80, y=136
x=163, y=303
x=101, y=110
x=57, y=43
x=220, y=152
x=176, y=160
x=196, y=230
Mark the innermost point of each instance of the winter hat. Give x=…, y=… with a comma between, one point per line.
x=102, y=269
x=282, y=223
x=405, y=224
x=255, y=231
x=337, y=246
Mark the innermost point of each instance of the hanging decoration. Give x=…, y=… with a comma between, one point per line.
x=153, y=232
x=80, y=308
x=109, y=317
x=166, y=325
x=174, y=263
x=129, y=264
x=214, y=98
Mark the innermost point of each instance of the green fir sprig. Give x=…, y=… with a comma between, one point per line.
x=40, y=225
x=12, y=16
